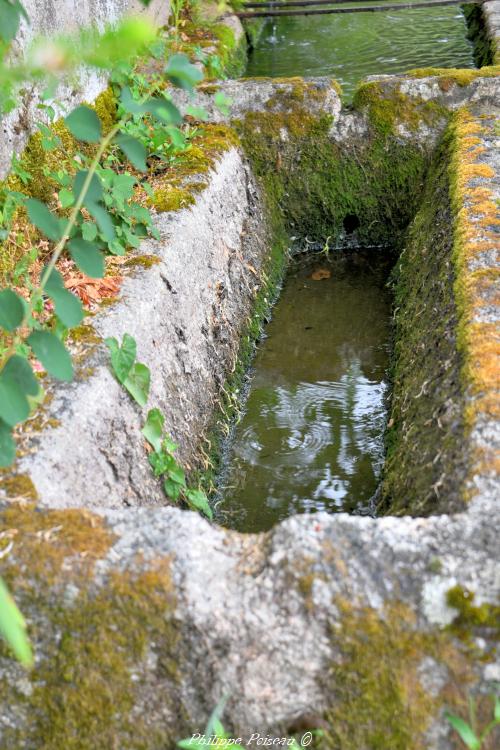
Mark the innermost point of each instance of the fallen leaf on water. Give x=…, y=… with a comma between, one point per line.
x=321, y=273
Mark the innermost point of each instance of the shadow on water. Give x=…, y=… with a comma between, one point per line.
x=352, y=46
x=311, y=435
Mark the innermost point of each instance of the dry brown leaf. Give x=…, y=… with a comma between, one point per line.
x=321, y=273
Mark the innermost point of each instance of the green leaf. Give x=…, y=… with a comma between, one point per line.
x=14, y=406
x=123, y=186
x=172, y=489
x=496, y=709
x=133, y=150
x=198, y=500
x=19, y=369
x=161, y=462
x=199, y=113
x=138, y=383
x=465, y=731
x=182, y=73
x=153, y=429
x=12, y=308
x=66, y=198
x=94, y=191
x=177, y=137
x=84, y=124
x=45, y=220
x=52, y=354
x=223, y=103
x=87, y=257
x=122, y=357
x=169, y=445
x=164, y=110
x=117, y=248
x=68, y=307
x=13, y=627
x=10, y=17
x=176, y=474
x=104, y=221
x=7, y=446
x=129, y=104
x=89, y=231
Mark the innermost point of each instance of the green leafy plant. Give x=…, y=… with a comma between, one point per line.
x=13, y=627
x=103, y=217
x=214, y=734
x=165, y=465
x=176, y=8
x=135, y=377
x=467, y=731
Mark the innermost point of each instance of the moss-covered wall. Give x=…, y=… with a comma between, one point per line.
x=91, y=641
x=317, y=185
x=426, y=459
x=484, y=52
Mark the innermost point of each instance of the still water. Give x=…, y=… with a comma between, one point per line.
x=350, y=47
x=311, y=435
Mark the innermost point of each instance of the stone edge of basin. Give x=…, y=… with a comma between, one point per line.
x=491, y=14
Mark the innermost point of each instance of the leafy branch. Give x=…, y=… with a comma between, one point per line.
x=467, y=731
x=136, y=378
x=17, y=316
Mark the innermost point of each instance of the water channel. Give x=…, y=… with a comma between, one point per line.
x=310, y=437
x=350, y=47
x=311, y=434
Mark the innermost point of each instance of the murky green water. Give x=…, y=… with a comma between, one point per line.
x=350, y=47
x=311, y=436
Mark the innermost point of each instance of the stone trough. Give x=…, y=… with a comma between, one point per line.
x=144, y=617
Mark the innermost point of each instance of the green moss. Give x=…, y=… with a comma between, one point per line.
x=314, y=183
x=171, y=199
x=194, y=160
x=85, y=334
x=233, y=53
x=85, y=691
x=378, y=701
x=35, y=160
x=143, y=261
x=89, y=673
x=484, y=52
x=460, y=76
x=378, y=694
x=388, y=109
x=105, y=107
x=427, y=398
x=471, y=616
x=18, y=486
x=208, y=88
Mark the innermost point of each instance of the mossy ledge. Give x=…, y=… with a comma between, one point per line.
x=427, y=403
x=315, y=183
x=378, y=692
x=86, y=689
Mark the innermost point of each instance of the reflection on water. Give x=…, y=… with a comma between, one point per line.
x=311, y=437
x=350, y=47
